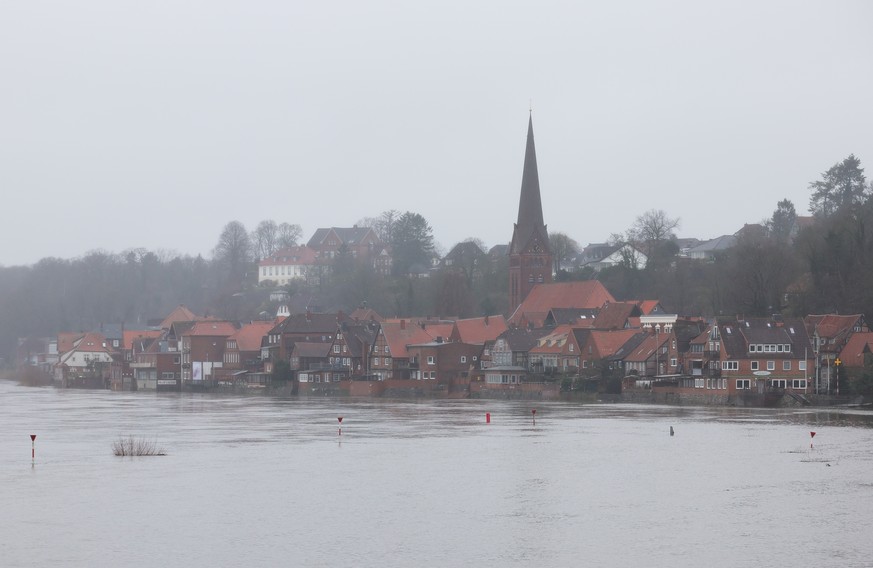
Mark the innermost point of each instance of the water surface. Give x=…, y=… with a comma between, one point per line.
x=257, y=481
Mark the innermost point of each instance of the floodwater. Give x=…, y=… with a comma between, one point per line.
x=256, y=481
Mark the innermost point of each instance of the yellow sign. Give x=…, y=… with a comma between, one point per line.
x=838, y=362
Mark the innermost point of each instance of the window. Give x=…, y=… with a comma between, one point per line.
x=463, y=358
x=778, y=383
x=336, y=349
x=798, y=384
x=771, y=365
x=430, y=360
x=376, y=361
x=571, y=348
x=673, y=362
x=730, y=365
x=786, y=365
x=743, y=384
x=754, y=365
x=801, y=365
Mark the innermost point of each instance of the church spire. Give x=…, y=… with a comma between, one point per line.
x=530, y=206
x=530, y=256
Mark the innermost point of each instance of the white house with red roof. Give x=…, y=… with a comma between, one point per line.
x=289, y=263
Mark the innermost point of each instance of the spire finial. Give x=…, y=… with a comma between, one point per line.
x=530, y=106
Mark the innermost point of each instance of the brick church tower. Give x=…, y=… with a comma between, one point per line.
x=530, y=257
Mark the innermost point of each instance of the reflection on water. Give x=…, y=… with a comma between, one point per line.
x=266, y=481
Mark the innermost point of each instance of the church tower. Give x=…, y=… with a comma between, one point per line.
x=530, y=257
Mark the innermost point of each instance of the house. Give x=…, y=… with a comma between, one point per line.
x=557, y=352
x=856, y=357
x=202, y=347
x=532, y=312
x=600, y=256
x=359, y=242
x=85, y=361
x=391, y=358
x=738, y=356
x=830, y=333
x=242, y=355
x=443, y=361
x=708, y=250
x=512, y=347
x=601, y=349
x=287, y=264
x=156, y=365
x=465, y=259
x=654, y=356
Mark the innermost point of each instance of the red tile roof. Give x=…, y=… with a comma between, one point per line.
x=67, y=339
x=212, y=329
x=292, y=256
x=181, y=313
x=92, y=342
x=478, y=331
x=249, y=336
x=544, y=297
x=400, y=334
x=553, y=342
x=129, y=336
x=646, y=306
x=852, y=354
x=831, y=326
x=608, y=342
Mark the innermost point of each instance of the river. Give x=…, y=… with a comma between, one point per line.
x=258, y=481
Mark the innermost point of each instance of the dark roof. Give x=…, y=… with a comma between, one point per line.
x=347, y=235
x=570, y=316
x=309, y=323
x=522, y=339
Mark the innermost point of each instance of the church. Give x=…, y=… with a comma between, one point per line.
x=530, y=258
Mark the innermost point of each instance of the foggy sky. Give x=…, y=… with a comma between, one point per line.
x=152, y=124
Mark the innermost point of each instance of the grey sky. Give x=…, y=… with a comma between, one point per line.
x=151, y=124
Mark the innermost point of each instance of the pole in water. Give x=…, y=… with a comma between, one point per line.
x=487, y=418
x=671, y=430
x=32, y=447
x=533, y=413
x=340, y=420
x=811, y=436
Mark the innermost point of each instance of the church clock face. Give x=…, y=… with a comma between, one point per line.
x=537, y=248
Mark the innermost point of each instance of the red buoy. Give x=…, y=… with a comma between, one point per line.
x=487, y=418
x=32, y=447
x=340, y=420
x=811, y=436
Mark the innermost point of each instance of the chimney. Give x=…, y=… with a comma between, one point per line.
x=402, y=324
x=308, y=316
x=486, y=320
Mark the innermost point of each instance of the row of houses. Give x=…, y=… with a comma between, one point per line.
x=573, y=332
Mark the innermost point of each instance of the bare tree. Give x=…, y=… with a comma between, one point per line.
x=383, y=225
x=265, y=239
x=563, y=248
x=654, y=226
x=288, y=235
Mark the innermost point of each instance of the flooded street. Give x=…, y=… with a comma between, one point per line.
x=256, y=481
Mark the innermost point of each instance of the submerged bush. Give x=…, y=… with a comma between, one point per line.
x=131, y=446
